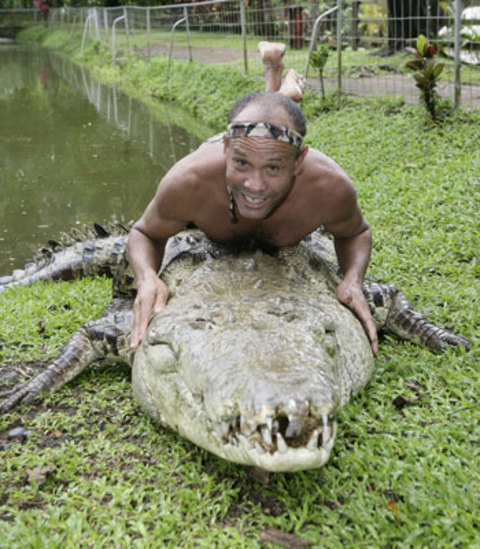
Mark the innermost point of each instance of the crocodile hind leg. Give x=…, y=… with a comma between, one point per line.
x=105, y=338
x=393, y=311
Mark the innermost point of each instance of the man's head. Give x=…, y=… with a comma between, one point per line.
x=263, y=151
x=269, y=107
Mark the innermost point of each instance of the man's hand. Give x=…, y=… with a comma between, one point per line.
x=151, y=298
x=351, y=295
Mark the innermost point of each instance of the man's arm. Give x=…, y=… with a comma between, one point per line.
x=353, y=255
x=353, y=243
x=145, y=257
x=162, y=219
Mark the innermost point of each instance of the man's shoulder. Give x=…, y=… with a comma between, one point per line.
x=215, y=139
x=206, y=161
x=192, y=178
x=322, y=171
x=320, y=161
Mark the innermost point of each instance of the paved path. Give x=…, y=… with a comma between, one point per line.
x=396, y=84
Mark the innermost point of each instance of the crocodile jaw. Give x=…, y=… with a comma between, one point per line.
x=250, y=439
x=280, y=457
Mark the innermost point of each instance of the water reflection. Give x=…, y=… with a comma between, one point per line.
x=72, y=151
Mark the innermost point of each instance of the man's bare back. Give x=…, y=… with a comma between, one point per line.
x=196, y=192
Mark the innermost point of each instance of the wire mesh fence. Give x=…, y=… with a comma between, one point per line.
x=364, y=41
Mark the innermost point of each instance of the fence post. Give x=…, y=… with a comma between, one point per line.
x=457, y=46
x=355, y=38
x=149, y=45
x=127, y=29
x=85, y=30
x=170, y=51
x=314, y=36
x=243, y=22
x=114, y=38
x=339, y=46
x=185, y=14
x=105, y=23
x=96, y=24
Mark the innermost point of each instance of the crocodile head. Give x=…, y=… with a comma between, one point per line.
x=247, y=361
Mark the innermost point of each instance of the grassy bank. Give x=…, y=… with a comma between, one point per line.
x=94, y=471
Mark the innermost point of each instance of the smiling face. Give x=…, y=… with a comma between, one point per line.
x=260, y=174
x=260, y=171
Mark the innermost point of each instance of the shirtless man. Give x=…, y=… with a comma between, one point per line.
x=258, y=181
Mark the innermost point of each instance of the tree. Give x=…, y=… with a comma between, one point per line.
x=407, y=19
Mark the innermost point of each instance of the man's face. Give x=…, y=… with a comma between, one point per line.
x=260, y=173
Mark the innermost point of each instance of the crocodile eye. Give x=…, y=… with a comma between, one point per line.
x=202, y=324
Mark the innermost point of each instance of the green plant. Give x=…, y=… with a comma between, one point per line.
x=427, y=71
x=318, y=61
x=373, y=18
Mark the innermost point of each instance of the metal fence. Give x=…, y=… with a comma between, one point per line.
x=366, y=39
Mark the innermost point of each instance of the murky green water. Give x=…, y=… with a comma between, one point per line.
x=72, y=151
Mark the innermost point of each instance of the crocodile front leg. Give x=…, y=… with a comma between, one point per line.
x=105, y=338
x=393, y=311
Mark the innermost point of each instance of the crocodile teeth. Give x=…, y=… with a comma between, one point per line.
x=259, y=448
x=218, y=430
x=245, y=443
x=225, y=427
x=327, y=431
x=313, y=442
x=328, y=444
x=246, y=427
x=281, y=444
x=266, y=434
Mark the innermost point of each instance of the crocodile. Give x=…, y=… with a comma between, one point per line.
x=253, y=355
x=83, y=251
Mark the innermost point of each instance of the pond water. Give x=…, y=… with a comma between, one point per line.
x=72, y=151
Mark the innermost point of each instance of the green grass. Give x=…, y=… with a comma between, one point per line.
x=398, y=477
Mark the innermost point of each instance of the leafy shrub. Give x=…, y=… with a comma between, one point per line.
x=427, y=71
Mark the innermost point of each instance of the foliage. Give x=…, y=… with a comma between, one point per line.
x=95, y=471
x=373, y=17
x=318, y=60
x=427, y=71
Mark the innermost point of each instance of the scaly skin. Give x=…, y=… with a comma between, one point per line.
x=253, y=355
x=78, y=254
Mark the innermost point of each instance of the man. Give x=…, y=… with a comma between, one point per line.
x=258, y=181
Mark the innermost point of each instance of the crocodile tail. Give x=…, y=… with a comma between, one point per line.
x=104, y=338
x=100, y=255
x=402, y=319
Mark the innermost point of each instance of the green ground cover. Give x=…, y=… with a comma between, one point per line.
x=96, y=472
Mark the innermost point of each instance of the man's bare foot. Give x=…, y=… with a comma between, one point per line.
x=293, y=85
x=271, y=54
